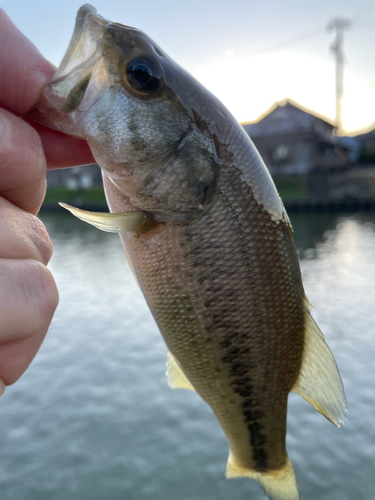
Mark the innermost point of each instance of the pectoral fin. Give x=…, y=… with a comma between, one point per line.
x=319, y=381
x=126, y=222
x=176, y=377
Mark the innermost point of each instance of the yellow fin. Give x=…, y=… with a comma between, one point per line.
x=319, y=381
x=125, y=222
x=277, y=484
x=176, y=377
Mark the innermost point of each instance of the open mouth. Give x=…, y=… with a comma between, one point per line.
x=71, y=83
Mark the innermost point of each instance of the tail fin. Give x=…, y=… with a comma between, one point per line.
x=277, y=484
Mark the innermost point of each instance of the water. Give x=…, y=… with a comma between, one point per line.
x=93, y=417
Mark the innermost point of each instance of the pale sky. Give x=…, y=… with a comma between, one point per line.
x=249, y=54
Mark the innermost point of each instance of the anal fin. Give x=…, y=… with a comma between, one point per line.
x=319, y=381
x=176, y=377
x=279, y=484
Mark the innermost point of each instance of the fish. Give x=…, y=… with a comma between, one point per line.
x=207, y=238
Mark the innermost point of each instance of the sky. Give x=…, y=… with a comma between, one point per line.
x=250, y=54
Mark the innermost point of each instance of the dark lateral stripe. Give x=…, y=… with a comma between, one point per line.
x=242, y=385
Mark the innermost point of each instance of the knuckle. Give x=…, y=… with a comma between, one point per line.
x=39, y=296
x=40, y=238
x=45, y=296
x=22, y=163
x=20, y=149
x=28, y=299
x=23, y=235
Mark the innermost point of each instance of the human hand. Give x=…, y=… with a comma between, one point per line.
x=28, y=294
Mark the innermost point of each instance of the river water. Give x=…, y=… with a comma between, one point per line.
x=94, y=419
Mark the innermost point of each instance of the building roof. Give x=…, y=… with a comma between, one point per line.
x=367, y=137
x=287, y=117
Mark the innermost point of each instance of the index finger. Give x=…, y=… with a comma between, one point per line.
x=23, y=70
x=23, y=74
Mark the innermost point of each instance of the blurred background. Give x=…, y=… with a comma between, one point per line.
x=93, y=417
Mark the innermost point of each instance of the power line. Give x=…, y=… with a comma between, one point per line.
x=281, y=45
x=361, y=13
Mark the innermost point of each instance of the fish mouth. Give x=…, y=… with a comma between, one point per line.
x=72, y=83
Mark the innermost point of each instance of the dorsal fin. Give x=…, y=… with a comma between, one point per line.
x=319, y=381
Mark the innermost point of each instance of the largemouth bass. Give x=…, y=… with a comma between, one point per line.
x=206, y=235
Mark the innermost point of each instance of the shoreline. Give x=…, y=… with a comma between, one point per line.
x=348, y=205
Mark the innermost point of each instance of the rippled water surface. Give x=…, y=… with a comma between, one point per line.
x=93, y=417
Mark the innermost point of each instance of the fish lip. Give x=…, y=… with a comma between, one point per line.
x=88, y=23
x=85, y=10
x=88, y=14
x=82, y=55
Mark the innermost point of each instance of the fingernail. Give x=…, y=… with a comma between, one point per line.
x=2, y=387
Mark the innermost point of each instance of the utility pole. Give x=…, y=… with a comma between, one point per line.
x=339, y=25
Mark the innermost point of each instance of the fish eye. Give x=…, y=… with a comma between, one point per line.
x=143, y=74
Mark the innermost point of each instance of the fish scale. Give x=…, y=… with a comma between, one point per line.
x=207, y=238
x=203, y=297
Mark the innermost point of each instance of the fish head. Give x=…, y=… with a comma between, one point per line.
x=139, y=112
